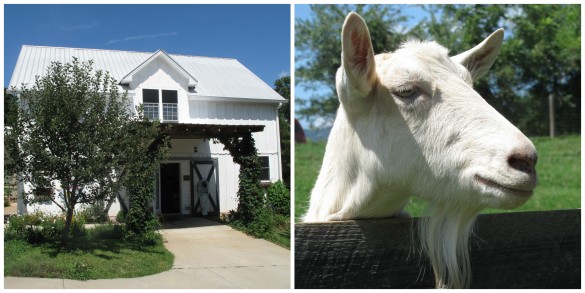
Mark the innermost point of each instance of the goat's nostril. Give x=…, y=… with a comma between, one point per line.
x=523, y=163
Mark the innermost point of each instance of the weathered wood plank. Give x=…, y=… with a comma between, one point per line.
x=511, y=250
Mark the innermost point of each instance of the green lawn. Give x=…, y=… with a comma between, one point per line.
x=99, y=255
x=559, y=176
x=281, y=232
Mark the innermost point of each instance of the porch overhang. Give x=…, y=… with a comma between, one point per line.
x=194, y=131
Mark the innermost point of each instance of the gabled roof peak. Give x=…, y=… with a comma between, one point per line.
x=192, y=82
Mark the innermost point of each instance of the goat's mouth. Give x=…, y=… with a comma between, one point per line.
x=508, y=190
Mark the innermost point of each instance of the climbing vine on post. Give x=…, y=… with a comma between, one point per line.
x=251, y=211
x=141, y=224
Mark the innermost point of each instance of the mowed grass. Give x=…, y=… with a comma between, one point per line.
x=558, y=168
x=308, y=159
x=99, y=255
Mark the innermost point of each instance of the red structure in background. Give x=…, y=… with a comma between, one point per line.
x=299, y=133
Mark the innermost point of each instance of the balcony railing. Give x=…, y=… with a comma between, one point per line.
x=151, y=111
x=169, y=112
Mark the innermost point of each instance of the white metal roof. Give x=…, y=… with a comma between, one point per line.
x=215, y=77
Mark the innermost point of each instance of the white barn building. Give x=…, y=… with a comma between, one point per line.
x=196, y=95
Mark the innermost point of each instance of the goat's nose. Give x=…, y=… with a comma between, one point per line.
x=523, y=161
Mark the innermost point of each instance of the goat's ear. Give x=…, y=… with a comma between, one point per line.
x=479, y=59
x=357, y=55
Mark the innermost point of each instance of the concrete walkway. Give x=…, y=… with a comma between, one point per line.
x=207, y=255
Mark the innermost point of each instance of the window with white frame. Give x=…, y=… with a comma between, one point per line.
x=43, y=194
x=157, y=102
x=264, y=168
x=169, y=106
x=150, y=103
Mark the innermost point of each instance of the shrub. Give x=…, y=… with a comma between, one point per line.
x=16, y=228
x=263, y=224
x=279, y=198
x=7, y=193
x=94, y=213
x=121, y=217
x=77, y=227
x=147, y=236
x=52, y=227
x=37, y=227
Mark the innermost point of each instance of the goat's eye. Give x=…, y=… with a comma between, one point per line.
x=406, y=93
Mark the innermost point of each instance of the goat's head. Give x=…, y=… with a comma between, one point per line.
x=464, y=152
x=416, y=110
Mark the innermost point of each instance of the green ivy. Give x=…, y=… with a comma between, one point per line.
x=279, y=198
x=141, y=223
x=251, y=211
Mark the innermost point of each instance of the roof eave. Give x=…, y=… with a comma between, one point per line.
x=194, y=97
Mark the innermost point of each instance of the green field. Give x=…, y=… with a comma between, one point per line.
x=100, y=254
x=559, y=176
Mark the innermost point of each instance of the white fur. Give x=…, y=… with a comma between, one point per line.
x=384, y=148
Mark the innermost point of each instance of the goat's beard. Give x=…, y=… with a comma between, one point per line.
x=444, y=238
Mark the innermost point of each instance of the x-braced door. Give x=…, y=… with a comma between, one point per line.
x=204, y=187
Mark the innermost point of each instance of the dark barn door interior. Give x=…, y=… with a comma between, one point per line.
x=170, y=191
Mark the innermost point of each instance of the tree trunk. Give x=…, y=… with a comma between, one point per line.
x=70, y=205
x=68, y=220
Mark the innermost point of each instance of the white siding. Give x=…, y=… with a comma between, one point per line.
x=226, y=94
x=50, y=207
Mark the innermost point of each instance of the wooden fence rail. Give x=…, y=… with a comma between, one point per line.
x=511, y=250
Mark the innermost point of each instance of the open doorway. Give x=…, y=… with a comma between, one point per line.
x=170, y=188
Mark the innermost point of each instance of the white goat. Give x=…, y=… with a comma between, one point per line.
x=410, y=124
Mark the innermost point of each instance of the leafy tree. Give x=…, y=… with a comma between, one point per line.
x=548, y=38
x=282, y=86
x=540, y=56
x=318, y=50
x=75, y=134
x=10, y=108
x=10, y=119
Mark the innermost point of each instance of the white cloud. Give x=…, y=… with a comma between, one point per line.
x=283, y=74
x=134, y=38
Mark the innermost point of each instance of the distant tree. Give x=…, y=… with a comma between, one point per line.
x=547, y=49
x=76, y=134
x=10, y=108
x=318, y=51
x=540, y=56
x=282, y=86
x=10, y=119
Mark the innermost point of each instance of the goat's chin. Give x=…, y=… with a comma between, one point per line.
x=444, y=237
x=493, y=197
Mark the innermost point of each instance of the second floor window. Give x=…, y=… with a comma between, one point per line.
x=157, y=102
x=150, y=102
x=169, y=106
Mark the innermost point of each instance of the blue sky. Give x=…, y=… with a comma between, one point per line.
x=257, y=35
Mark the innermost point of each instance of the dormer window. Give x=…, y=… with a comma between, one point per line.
x=169, y=106
x=150, y=102
x=159, y=103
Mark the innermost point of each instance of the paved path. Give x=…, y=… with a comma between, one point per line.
x=207, y=255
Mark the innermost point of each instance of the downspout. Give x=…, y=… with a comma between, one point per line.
x=278, y=149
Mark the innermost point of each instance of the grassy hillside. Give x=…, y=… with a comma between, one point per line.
x=559, y=176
